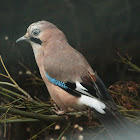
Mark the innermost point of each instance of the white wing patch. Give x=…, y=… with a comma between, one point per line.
x=82, y=89
x=89, y=100
x=79, y=86
x=93, y=103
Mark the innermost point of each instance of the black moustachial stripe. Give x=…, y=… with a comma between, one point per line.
x=36, y=40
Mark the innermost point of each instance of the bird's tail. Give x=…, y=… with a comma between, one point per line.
x=116, y=124
x=118, y=127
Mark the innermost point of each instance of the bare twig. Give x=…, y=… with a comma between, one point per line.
x=21, y=96
x=12, y=80
x=30, y=72
x=63, y=131
x=35, y=136
x=11, y=120
x=128, y=62
x=48, y=118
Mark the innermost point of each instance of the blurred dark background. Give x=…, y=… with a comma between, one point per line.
x=97, y=28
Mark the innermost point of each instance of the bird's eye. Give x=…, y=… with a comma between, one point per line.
x=36, y=32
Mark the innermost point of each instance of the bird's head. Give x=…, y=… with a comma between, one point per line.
x=38, y=32
x=44, y=37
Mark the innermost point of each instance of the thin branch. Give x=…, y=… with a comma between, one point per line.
x=8, y=74
x=4, y=114
x=4, y=75
x=31, y=72
x=21, y=96
x=13, y=81
x=10, y=97
x=63, y=132
x=17, y=87
x=128, y=62
x=33, y=137
x=48, y=118
x=19, y=120
x=117, y=93
x=9, y=84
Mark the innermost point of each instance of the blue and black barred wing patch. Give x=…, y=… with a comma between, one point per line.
x=69, y=87
x=76, y=89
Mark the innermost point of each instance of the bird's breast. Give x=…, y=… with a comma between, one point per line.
x=64, y=100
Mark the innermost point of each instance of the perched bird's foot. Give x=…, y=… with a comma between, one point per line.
x=58, y=111
x=61, y=112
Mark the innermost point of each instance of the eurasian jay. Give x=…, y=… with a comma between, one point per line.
x=69, y=78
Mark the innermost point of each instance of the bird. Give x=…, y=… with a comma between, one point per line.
x=70, y=80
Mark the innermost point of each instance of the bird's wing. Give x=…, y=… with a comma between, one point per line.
x=91, y=89
x=72, y=73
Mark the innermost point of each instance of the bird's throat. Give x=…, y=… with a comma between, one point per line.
x=36, y=48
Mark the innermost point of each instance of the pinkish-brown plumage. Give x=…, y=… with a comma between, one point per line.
x=70, y=80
